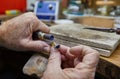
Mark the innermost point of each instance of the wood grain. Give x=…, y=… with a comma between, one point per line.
x=75, y=33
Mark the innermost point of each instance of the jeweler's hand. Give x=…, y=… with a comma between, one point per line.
x=78, y=62
x=17, y=33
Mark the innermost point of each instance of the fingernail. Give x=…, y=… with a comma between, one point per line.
x=57, y=46
x=46, y=49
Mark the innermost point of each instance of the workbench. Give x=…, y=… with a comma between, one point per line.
x=107, y=67
x=110, y=67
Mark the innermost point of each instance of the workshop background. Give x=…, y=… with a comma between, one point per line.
x=97, y=13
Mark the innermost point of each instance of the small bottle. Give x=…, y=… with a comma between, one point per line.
x=12, y=12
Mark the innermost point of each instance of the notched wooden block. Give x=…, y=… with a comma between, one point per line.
x=75, y=33
x=36, y=65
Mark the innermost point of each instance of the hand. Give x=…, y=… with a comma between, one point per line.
x=78, y=62
x=17, y=33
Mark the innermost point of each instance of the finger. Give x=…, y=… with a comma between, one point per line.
x=76, y=61
x=35, y=23
x=77, y=50
x=86, y=55
x=54, y=63
x=81, y=50
x=63, y=58
x=42, y=27
x=36, y=45
x=63, y=49
x=91, y=59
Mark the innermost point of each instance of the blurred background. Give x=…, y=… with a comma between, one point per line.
x=101, y=7
x=98, y=13
x=81, y=11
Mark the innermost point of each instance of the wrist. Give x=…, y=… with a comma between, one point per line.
x=2, y=34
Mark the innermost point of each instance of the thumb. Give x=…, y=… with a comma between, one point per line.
x=54, y=62
x=37, y=46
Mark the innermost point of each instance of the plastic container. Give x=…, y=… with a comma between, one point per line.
x=12, y=5
x=12, y=12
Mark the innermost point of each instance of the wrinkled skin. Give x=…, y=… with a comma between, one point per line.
x=78, y=62
x=17, y=33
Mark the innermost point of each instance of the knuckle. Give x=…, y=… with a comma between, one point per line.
x=30, y=13
x=31, y=19
x=37, y=48
x=97, y=53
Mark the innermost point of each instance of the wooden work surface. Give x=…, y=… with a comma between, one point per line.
x=108, y=66
x=108, y=23
x=74, y=34
x=114, y=58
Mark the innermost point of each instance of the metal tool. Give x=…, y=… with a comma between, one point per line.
x=56, y=46
x=48, y=38
x=42, y=36
x=109, y=30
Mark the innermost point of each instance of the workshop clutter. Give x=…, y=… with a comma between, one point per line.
x=12, y=5
x=117, y=22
